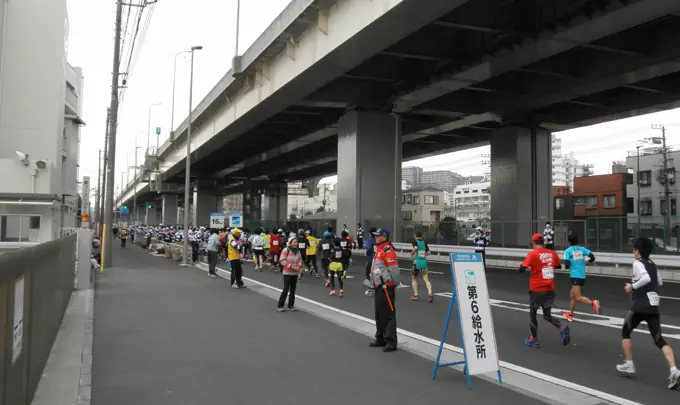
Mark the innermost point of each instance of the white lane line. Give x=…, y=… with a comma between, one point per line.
x=429, y=271
x=513, y=367
x=606, y=321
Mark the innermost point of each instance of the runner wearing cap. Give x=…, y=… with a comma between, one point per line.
x=384, y=272
x=541, y=262
x=234, y=255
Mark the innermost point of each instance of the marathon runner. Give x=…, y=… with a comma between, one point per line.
x=302, y=246
x=541, y=262
x=481, y=242
x=275, y=250
x=644, y=288
x=326, y=245
x=311, y=253
x=336, y=266
x=419, y=253
x=575, y=261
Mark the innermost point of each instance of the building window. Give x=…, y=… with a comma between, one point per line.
x=591, y=202
x=664, y=208
x=431, y=199
x=645, y=177
x=20, y=228
x=416, y=200
x=559, y=203
x=609, y=201
x=485, y=190
x=409, y=199
x=630, y=205
x=457, y=192
x=580, y=201
x=403, y=199
x=645, y=207
x=406, y=215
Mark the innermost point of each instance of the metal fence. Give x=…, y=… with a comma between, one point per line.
x=35, y=287
x=600, y=234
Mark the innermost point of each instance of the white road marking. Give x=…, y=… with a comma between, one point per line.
x=670, y=298
x=606, y=321
x=513, y=367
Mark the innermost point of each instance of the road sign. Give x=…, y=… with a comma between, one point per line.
x=235, y=219
x=471, y=298
x=216, y=220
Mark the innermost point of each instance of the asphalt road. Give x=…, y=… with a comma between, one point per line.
x=167, y=335
x=589, y=360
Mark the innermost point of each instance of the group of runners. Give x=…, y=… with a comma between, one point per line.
x=542, y=262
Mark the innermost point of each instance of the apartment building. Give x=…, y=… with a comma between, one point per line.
x=40, y=119
x=472, y=201
x=412, y=175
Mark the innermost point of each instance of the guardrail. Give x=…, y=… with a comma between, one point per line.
x=607, y=264
x=35, y=288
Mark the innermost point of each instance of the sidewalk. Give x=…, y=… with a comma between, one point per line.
x=169, y=335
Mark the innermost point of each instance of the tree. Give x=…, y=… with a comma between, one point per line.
x=448, y=228
x=321, y=209
x=309, y=212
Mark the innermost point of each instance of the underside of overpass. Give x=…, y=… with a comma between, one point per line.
x=489, y=64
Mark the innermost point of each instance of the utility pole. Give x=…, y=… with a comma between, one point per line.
x=99, y=193
x=666, y=185
x=100, y=214
x=113, y=124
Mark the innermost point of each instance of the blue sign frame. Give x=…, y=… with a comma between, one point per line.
x=454, y=300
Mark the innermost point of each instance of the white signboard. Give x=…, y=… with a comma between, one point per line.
x=18, y=335
x=216, y=220
x=235, y=219
x=474, y=311
x=85, y=208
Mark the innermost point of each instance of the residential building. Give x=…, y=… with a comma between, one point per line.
x=422, y=205
x=442, y=179
x=595, y=212
x=233, y=203
x=40, y=118
x=565, y=166
x=405, y=185
x=412, y=175
x=649, y=176
x=472, y=201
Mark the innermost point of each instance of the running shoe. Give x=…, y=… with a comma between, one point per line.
x=342, y=293
x=674, y=380
x=292, y=309
x=626, y=368
x=564, y=332
x=569, y=316
x=596, y=307
x=430, y=298
x=332, y=292
x=414, y=298
x=281, y=309
x=327, y=283
x=531, y=342
x=317, y=275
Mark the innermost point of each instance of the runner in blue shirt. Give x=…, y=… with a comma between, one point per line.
x=575, y=261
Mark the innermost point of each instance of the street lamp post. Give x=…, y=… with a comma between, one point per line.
x=637, y=181
x=172, y=113
x=148, y=127
x=187, y=170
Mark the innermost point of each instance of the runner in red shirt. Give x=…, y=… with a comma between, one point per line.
x=275, y=249
x=542, y=263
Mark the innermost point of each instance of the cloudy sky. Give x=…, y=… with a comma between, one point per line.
x=176, y=25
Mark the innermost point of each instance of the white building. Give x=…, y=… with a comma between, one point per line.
x=422, y=205
x=412, y=175
x=472, y=201
x=300, y=203
x=40, y=106
x=565, y=166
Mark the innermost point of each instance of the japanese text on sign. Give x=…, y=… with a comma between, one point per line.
x=475, y=313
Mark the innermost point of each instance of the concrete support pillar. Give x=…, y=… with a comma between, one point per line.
x=275, y=205
x=369, y=171
x=205, y=203
x=169, y=209
x=252, y=209
x=150, y=215
x=521, y=184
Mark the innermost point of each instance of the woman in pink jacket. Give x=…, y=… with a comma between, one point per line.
x=291, y=265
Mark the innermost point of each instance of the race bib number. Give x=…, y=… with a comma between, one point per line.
x=548, y=273
x=577, y=254
x=302, y=245
x=312, y=244
x=275, y=243
x=343, y=243
x=421, y=254
x=338, y=255
x=653, y=299
x=325, y=246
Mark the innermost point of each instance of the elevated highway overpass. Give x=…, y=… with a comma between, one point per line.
x=331, y=84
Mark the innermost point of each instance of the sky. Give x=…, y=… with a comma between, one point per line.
x=176, y=25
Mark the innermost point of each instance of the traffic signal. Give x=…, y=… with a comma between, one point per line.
x=149, y=206
x=125, y=207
